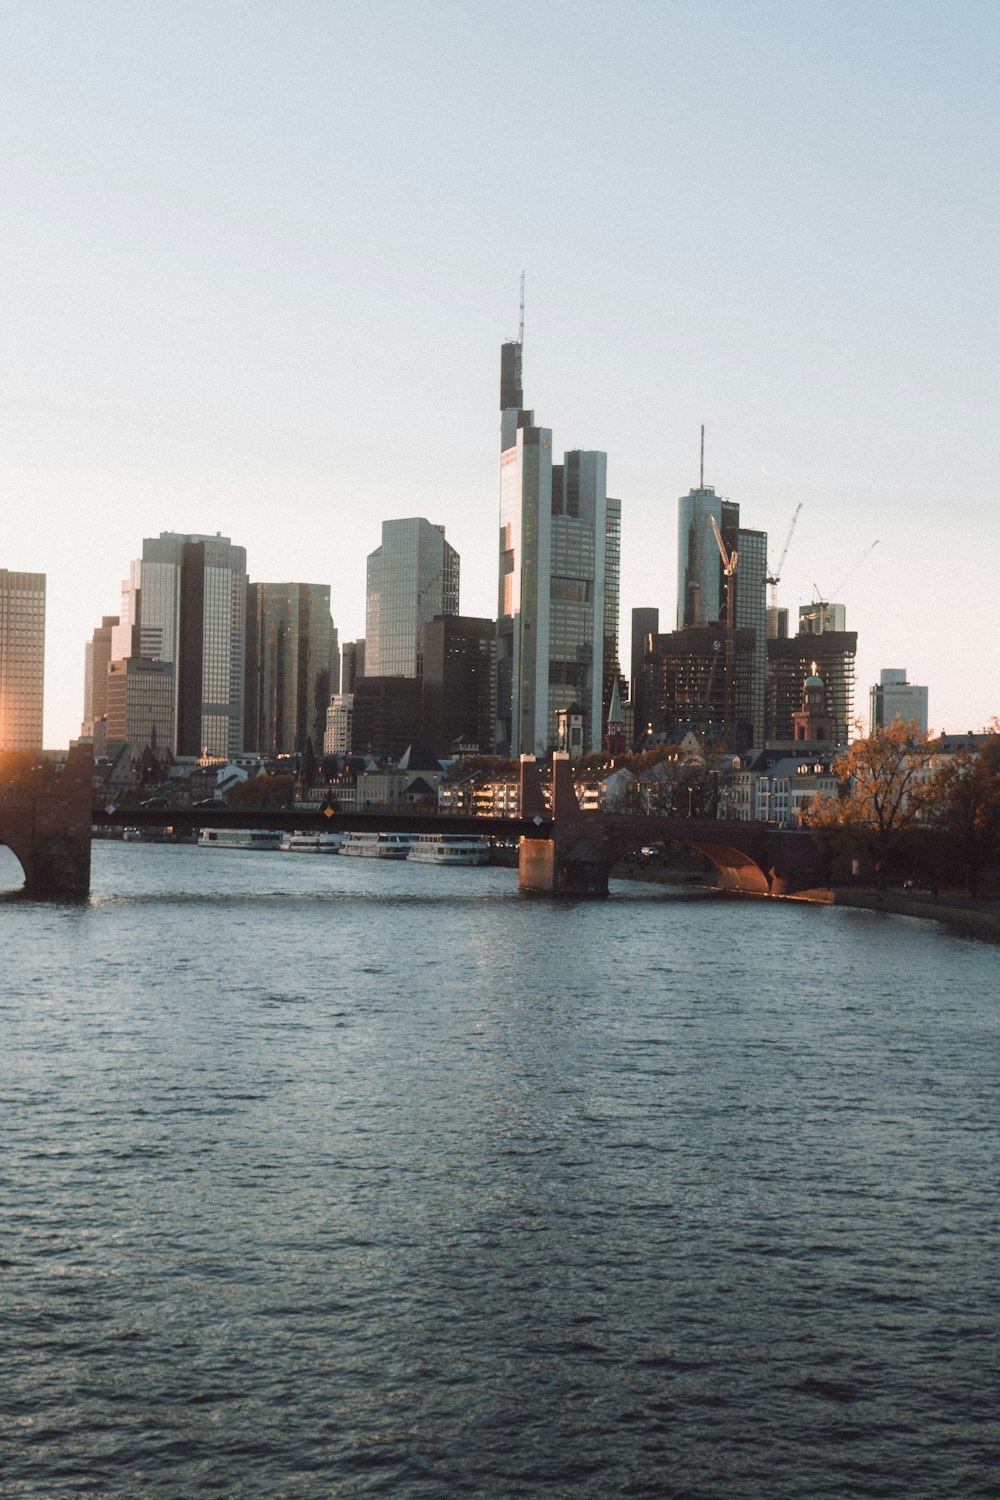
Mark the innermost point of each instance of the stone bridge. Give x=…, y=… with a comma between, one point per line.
x=582, y=847
x=50, y=832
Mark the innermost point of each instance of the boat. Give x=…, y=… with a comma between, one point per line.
x=377, y=845
x=450, y=849
x=131, y=835
x=239, y=838
x=313, y=843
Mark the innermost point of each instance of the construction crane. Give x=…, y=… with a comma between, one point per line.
x=774, y=577
x=823, y=604
x=729, y=561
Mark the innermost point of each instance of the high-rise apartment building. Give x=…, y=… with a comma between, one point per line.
x=894, y=697
x=192, y=612
x=22, y=659
x=412, y=576
x=292, y=666
x=555, y=544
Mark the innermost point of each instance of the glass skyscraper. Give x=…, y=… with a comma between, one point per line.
x=292, y=666
x=412, y=577
x=558, y=579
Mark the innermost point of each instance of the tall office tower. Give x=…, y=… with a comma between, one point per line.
x=613, y=674
x=338, y=736
x=790, y=661
x=140, y=702
x=353, y=664
x=893, y=696
x=685, y=689
x=412, y=576
x=645, y=624
x=193, y=613
x=290, y=647
x=22, y=659
x=97, y=655
x=125, y=635
x=751, y=614
x=459, y=684
x=554, y=549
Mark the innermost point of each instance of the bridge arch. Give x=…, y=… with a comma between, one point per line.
x=736, y=868
x=13, y=870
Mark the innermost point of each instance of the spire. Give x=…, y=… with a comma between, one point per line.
x=615, y=715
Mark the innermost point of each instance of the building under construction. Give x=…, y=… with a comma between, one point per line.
x=684, y=686
x=791, y=660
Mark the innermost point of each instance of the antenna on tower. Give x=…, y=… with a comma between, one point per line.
x=520, y=326
x=701, y=480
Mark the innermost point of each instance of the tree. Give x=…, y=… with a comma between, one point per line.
x=880, y=794
x=962, y=799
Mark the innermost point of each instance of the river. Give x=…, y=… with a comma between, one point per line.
x=328, y=1177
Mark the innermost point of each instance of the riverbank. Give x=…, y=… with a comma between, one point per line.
x=980, y=919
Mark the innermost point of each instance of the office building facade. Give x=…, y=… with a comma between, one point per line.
x=192, y=613
x=458, y=701
x=140, y=700
x=894, y=697
x=701, y=583
x=22, y=659
x=292, y=666
x=555, y=545
x=412, y=576
x=97, y=657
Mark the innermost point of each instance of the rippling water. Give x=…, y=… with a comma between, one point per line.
x=323, y=1177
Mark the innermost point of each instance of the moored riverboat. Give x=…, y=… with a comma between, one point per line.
x=239, y=838
x=450, y=849
x=377, y=845
x=313, y=843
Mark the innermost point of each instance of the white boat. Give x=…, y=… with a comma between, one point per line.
x=239, y=838
x=313, y=843
x=377, y=845
x=450, y=849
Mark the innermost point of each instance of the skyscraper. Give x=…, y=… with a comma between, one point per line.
x=290, y=666
x=192, y=613
x=97, y=655
x=701, y=582
x=459, y=699
x=555, y=545
x=22, y=659
x=893, y=696
x=412, y=576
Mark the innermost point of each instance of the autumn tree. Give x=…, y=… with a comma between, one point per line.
x=880, y=796
x=962, y=799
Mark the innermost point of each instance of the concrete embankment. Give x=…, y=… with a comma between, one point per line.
x=979, y=919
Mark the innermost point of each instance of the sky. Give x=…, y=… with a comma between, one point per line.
x=257, y=260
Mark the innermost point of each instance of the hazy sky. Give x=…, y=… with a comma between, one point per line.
x=258, y=260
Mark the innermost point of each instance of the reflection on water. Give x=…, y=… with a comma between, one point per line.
x=333, y=1177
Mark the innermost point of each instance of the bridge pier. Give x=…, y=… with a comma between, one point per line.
x=50, y=834
x=573, y=863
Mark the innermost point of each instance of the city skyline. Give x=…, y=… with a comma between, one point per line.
x=250, y=315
